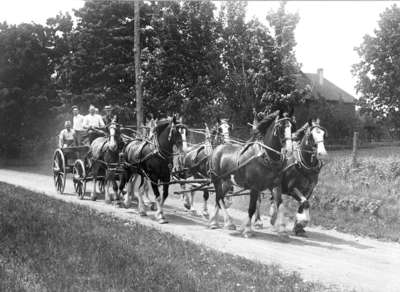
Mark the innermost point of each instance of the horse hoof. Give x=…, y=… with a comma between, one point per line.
x=206, y=215
x=230, y=226
x=153, y=206
x=248, y=234
x=142, y=214
x=193, y=212
x=162, y=221
x=187, y=206
x=93, y=197
x=213, y=226
x=258, y=225
x=298, y=230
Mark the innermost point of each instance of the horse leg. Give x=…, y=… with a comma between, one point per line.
x=107, y=197
x=206, y=195
x=213, y=224
x=145, y=190
x=185, y=198
x=129, y=190
x=122, y=182
x=280, y=222
x=228, y=222
x=247, y=231
x=159, y=201
x=192, y=209
x=227, y=187
x=93, y=195
x=258, y=222
x=115, y=187
x=141, y=204
x=303, y=213
x=164, y=196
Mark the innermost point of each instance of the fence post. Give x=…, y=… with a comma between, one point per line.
x=355, y=148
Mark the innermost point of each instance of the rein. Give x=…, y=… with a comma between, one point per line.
x=303, y=164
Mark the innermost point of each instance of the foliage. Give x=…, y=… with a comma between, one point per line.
x=194, y=62
x=378, y=72
x=26, y=91
x=260, y=66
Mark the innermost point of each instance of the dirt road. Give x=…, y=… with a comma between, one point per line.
x=326, y=256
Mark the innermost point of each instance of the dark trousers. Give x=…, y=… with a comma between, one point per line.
x=79, y=137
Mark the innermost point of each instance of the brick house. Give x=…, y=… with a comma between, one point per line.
x=334, y=106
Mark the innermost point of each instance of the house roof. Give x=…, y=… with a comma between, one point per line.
x=327, y=90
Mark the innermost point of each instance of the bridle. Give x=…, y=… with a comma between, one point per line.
x=163, y=153
x=278, y=127
x=307, y=137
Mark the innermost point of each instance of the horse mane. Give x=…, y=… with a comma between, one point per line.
x=264, y=124
x=161, y=126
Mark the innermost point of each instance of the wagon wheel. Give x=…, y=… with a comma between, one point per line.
x=79, y=178
x=59, y=174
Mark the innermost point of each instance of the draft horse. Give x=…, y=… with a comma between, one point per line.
x=194, y=162
x=300, y=176
x=256, y=166
x=104, y=151
x=153, y=160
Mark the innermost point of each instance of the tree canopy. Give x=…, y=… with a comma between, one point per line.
x=378, y=72
x=196, y=61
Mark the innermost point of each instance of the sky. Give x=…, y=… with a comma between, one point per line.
x=326, y=35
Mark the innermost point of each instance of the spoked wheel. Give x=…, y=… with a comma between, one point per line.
x=59, y=174
x=79, y=178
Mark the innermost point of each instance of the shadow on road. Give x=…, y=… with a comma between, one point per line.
x=321, y=237
x=276, y=238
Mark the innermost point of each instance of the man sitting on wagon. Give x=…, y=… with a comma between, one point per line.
x=93, y=124
x=67, y=137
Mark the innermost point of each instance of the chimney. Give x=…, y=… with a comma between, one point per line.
x=320, y=73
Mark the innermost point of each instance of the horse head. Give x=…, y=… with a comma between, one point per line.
x=312, y=136
x=316, y=138
x=276, y=130
x=113, y=130
x=224, y=130
x=168, y=135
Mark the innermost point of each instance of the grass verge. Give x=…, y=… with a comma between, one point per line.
x=49, y=245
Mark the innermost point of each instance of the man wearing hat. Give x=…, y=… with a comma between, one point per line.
x=67, y=137
x=107, y=118
x=77, y=124
x=92, y=123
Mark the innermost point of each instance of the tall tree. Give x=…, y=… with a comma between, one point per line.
x=260, y=61
x=26, y=93
x=378, y=72
x=283, y=88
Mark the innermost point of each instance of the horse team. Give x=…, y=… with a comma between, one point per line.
x=276, y=158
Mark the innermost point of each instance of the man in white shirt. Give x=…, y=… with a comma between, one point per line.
x=77, y=124
x=93, y=120
x=67, y=137
x=92, y=123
